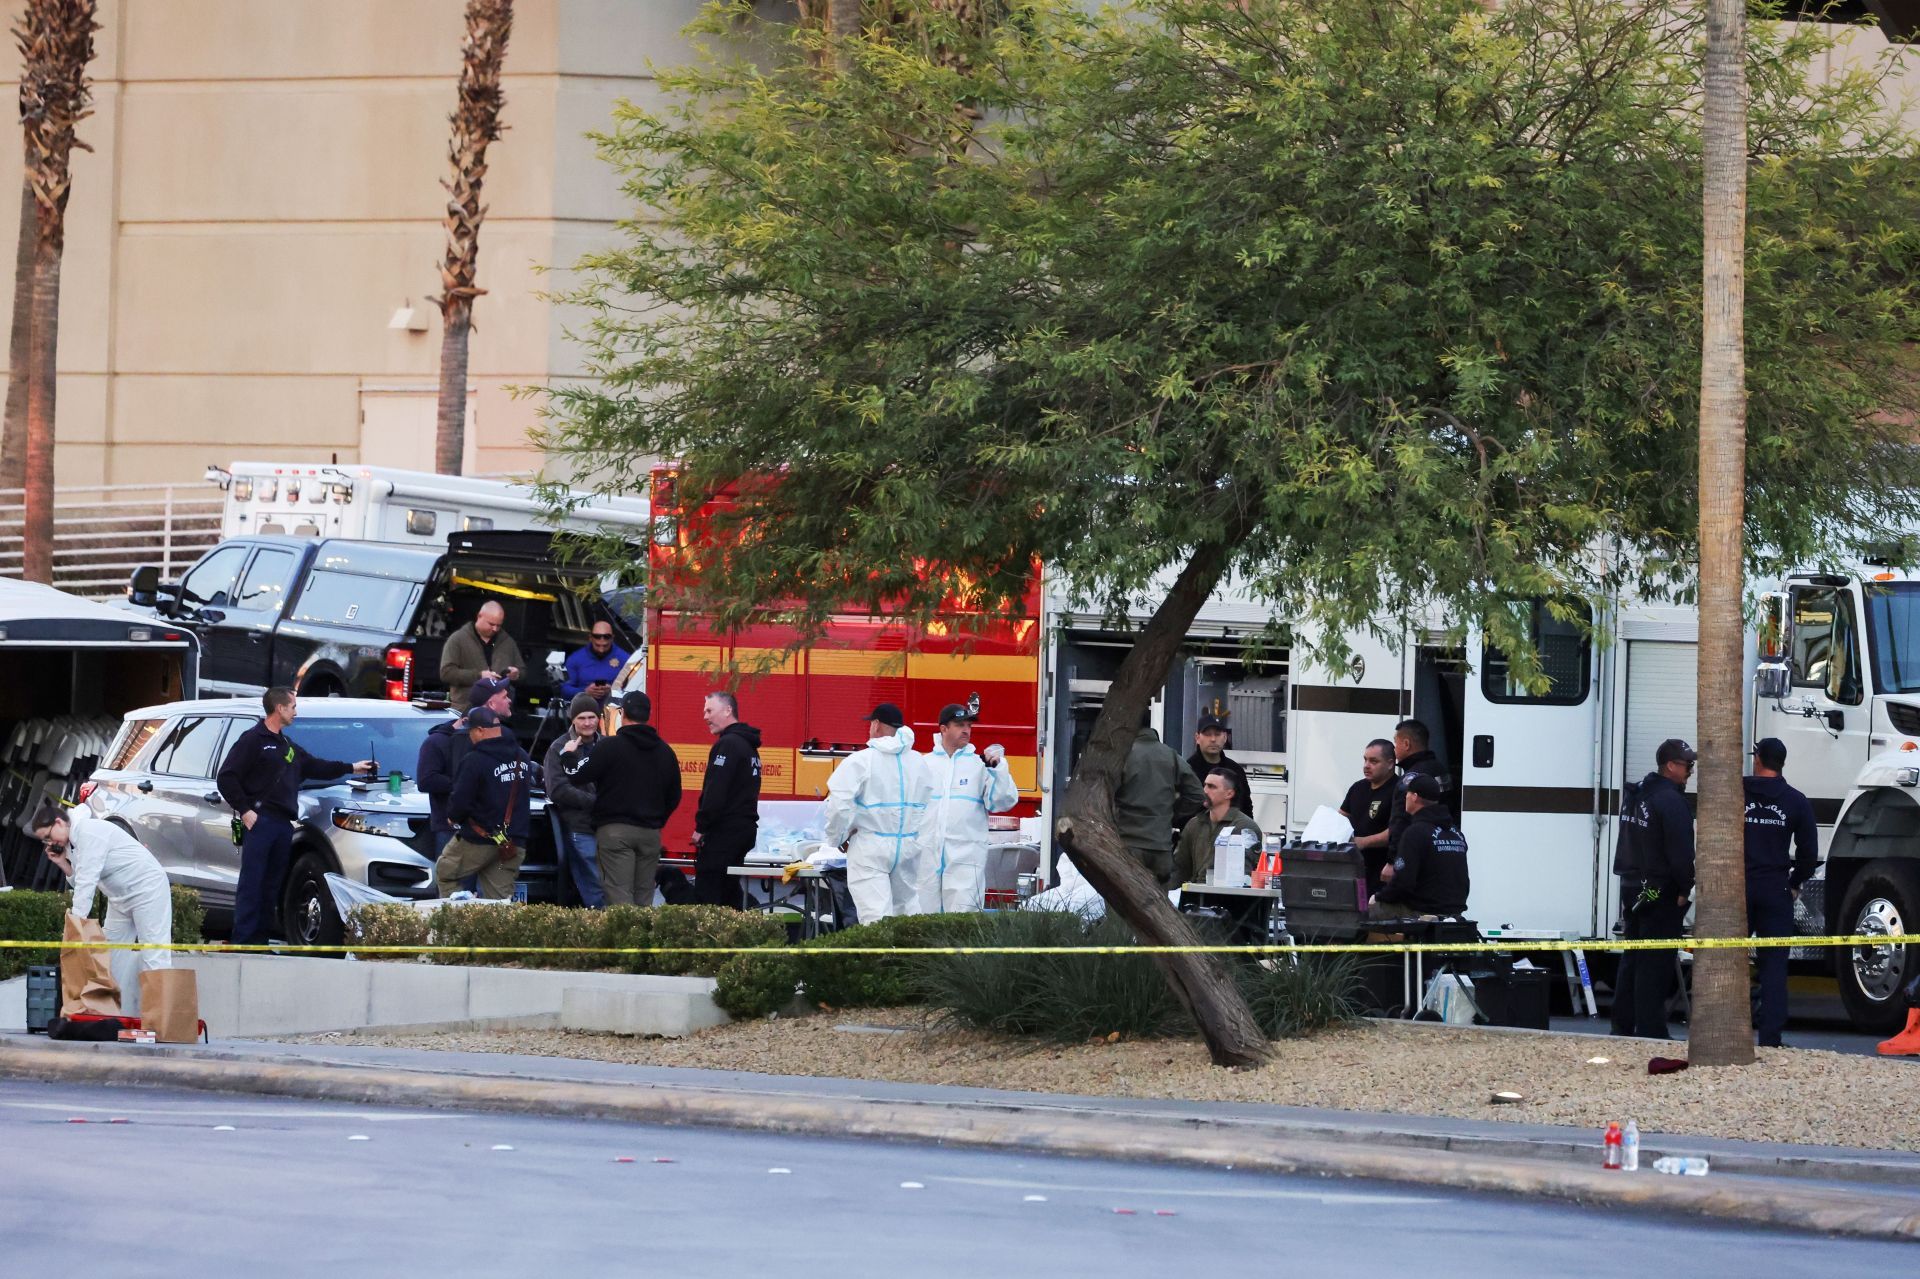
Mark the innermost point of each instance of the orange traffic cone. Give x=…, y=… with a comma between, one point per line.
x=1907, y=1042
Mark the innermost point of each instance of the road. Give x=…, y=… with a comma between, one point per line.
x=198, y=1183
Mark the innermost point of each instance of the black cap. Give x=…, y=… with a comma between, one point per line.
x=1211, y=724
x=636, y=707
x=889, y=714
x=954, y=712
x=1770, y=752
x=483, y=690
x=1671, y=749
x=1425, y=786
x=482, y=717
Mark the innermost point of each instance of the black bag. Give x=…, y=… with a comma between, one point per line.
x=99, y=1030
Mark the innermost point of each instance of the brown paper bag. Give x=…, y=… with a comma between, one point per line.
x=86, y=979
x=170, y=1004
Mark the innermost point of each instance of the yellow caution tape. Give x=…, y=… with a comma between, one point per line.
x=497, y=588
x=1298, y=948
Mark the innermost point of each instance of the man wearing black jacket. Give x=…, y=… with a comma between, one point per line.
x=1777, y=815
x=1412, y=746
x=636, y=781
x=260, y=780
x=1655, y=865
x=490, y=809
x=728, y=820
x=445, y=746
x=1429, y=877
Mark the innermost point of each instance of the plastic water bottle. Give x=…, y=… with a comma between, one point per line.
x=1610, y=1146
x=1682, y=1165
x=1630, y=1147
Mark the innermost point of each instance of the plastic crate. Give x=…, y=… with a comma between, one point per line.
x=43, y=996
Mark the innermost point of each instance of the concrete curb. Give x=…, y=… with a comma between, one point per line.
x=1749, y=1201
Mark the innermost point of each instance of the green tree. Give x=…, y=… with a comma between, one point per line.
x=1381, y=308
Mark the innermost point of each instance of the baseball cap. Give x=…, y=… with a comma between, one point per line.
x=1770, y=752
x=952, y=712
x=1426, y=787
x=484, y=689
x=482, y=717
x=637, y=706
x=1211, y=724
x=1671, y=749
x=889, y=714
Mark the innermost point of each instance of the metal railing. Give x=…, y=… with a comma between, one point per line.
x=102, y=532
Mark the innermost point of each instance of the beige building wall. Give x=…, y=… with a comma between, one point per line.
x=263, y=193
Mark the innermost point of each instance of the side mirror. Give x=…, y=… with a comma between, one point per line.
x=143, y=588
x=1772, y=681
x=1775, y=637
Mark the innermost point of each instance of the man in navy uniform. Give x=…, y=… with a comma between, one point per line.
x=1777, y=815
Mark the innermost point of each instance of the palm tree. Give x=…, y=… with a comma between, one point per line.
x=476, y=122
x=13, y=440
x=1721, y=1029
x=56, y=44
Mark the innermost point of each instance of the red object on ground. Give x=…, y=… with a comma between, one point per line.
x=1666, y=1065
x=1907, y=1042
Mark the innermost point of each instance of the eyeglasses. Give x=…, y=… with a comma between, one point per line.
x=602, y=635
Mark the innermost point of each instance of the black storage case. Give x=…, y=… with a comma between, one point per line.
x=43, y=996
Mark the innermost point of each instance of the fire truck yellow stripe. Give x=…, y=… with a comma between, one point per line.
x=988, y=668
x=844, y=661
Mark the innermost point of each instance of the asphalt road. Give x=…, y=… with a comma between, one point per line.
x=193, y=1183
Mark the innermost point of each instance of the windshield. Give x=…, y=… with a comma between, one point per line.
x=392, y=740
x=1893, y=635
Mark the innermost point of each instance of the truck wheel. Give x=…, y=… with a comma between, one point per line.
x=308, y=913
x=1884, y=899
x=322, y=688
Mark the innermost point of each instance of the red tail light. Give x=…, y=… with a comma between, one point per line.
x=399, y=673
x=86, y=789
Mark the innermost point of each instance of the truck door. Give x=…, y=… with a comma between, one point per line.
x=242, y=643
x=1527, y=783
x=1824, y=720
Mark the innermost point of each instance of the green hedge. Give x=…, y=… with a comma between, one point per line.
x=29, y=916
x=505, y=924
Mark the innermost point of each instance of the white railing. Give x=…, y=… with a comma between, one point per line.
x=102, y=532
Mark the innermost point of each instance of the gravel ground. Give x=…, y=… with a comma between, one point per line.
x=1790, y=1094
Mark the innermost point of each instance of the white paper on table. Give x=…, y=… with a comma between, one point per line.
x=1327, y=826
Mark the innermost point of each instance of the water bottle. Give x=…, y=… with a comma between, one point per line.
x=1610, y=1147
x=1630, y=1147
x=1682, y=1165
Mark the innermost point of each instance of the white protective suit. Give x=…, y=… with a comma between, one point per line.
x=953, y=839
x=139, y=904
x=878, y=796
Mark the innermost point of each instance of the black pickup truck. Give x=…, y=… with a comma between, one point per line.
x=331, y=617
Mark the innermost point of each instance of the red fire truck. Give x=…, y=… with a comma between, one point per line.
x=811, y=704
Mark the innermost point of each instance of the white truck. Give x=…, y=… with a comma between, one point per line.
x=1539, y=776
x=381, y=504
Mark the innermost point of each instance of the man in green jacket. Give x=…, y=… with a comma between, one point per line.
x=1193, y=860
x=1155, y=784
x=481, y=649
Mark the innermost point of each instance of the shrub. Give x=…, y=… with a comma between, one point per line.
x=1062, y=998
x=386, y=924
x=628, y=927
x=1291, y=1000
x=30, y=916
x=709, y=926
x=879, y=981
x=757, y=984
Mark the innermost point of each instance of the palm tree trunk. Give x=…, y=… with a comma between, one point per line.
x=476, y=122
x=42, y=350
x=56, y=46
x=843, y=25
x=1721, y=1028
x=13, y=440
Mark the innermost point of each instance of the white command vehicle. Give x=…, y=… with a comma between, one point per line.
x=380, y=504
x=1538, y=777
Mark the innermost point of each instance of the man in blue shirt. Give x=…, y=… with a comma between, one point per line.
x=591, y=670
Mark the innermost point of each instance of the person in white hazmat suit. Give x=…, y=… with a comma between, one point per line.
x=876, y=800
x=96, y=854
x=964, y=787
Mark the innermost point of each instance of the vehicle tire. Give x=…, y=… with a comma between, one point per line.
x=307, y=915
x=1883, y=898
x=322, y=687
